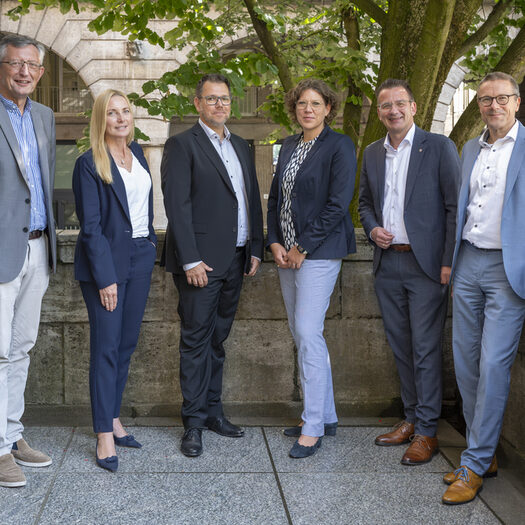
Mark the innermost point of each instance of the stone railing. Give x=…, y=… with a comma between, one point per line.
x=261, y=376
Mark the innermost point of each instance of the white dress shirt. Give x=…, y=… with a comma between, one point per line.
x=396, y=168
x=233, y=166
x=138, y=185
x=487, y=189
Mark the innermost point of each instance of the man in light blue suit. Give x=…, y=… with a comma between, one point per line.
x=27, y=239
x=488, y=278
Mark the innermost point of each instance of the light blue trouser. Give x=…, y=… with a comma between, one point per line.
x=306, y=293
x=487, y=322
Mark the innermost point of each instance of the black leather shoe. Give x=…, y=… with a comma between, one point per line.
x=191, y=444
x=223, y=427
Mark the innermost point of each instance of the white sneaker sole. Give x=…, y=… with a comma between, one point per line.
x=12, y=483
x=37, y=465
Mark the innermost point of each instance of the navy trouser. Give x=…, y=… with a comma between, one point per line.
x=114, y=335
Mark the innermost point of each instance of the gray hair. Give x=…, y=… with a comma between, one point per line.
x=499, y=75
x=21, y=41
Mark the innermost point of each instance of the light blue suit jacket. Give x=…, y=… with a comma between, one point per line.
x=512, y=216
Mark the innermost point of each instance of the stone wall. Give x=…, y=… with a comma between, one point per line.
x=261, y=376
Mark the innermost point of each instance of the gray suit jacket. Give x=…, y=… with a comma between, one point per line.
x=15, y=204
x=430, y=198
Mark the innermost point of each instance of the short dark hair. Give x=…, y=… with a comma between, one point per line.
x=328, y=94
x=21, y=41
x=212, y=77
x=390, y=83
x=499, y=75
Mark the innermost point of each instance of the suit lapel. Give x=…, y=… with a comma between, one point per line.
x=119, y=188
x=312, y=153
x=210, y=151
x=7, y=129
x=380, y=159
x=414, y=164
x=43, y=148
x=517, y=160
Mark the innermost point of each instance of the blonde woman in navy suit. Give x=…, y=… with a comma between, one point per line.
x=309, y=232
x=114, y=258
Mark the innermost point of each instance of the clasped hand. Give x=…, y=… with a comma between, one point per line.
x=287, y=259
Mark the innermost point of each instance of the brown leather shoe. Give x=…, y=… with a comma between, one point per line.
x=464, y=489
x=421, y=450
x=492, y=472
x=399, y=435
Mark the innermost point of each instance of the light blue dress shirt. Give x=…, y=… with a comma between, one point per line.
x=25, y=135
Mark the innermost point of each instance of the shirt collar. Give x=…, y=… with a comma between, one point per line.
x=11, y=106
x=409, y=139
x=213, y=134
x=512, y=135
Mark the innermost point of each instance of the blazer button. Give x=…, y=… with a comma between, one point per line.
x=28, y=201
x=294, y=194
x=25, y=230
x=234, y=230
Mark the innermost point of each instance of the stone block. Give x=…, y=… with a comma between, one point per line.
x=93, y=48
x=260, y=362
x=46, y=368
x=76, y=364
x=69, y=37
x=363, y=366
x=154, y=368
x=156, y=306
x=514, y=423
x=358, y=295
x=30, y=23
x=7, y=25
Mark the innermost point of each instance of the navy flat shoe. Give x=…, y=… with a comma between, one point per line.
x=110, y=463
x=127, y=441
x=329, y=430
x=300, y=451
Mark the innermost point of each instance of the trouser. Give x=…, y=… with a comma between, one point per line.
x=306, y=293
x=487, y=322
x=20, y=304
x=114, y=335
x=206, y=316
x=414, y=307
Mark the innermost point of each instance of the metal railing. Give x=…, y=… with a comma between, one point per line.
x=64, y=100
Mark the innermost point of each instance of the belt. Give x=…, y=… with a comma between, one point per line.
x=468, y=243
x=401, y=247
x=35, y=234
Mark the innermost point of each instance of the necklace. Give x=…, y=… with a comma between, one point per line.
x=122, y=160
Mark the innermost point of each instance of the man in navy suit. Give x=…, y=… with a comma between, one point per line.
x=407, y=205
x=489, y=279
x=214, y=236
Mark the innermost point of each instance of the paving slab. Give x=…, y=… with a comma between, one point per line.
x=376, y=498
x=161, y=452
x=174, y=499
x=351, y=450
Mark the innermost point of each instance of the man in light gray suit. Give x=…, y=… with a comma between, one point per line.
x=27, y=239
x=407, y=204
x=489, y=279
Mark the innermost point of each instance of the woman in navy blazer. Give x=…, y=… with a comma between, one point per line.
x=309, y=232
x=114, y=258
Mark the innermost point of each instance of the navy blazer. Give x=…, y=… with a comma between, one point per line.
x=201, y=205
x=430, y=198
x=102, y=253
x=323, y=189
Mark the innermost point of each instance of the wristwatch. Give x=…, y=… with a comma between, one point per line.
x=301, y=250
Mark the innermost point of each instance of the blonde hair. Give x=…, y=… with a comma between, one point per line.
x=97, y=132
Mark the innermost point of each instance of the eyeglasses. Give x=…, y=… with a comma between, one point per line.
x=315, y=104
x=502, y=100
x=19, y=64
x=211, y=100
x=399, y=104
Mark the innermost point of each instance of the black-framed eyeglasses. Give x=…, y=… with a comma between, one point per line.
x=211, y=100
x=19, y=64
x=502, y=100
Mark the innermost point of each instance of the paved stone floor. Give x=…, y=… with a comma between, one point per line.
x=247, y=481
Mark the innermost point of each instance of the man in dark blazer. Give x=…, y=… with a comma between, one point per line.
x=407, y=203
x=214, y=236
x=27, y=239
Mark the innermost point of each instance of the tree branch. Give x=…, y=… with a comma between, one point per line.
x=484, y=29
x=372, y=10
x=270, y=46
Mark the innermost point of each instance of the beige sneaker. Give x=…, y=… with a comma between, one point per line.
x=27, y=457
x=11, y=474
